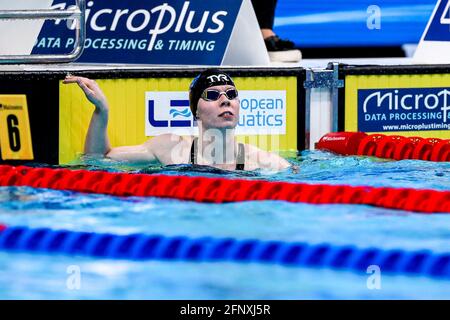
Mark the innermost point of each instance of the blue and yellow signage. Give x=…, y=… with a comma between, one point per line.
x=407, y=104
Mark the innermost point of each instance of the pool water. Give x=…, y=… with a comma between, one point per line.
x=38, y=276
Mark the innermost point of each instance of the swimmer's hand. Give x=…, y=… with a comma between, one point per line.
x=92, y=91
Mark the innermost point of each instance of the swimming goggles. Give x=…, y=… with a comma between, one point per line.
x=213, y=95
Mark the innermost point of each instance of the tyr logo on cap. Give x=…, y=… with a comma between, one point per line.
x=218, y=78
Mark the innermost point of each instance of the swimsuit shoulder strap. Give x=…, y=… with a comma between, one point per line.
x=240, y=161
x=193, y=159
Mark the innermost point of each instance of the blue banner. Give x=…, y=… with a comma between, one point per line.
x=439, y=29
x=147, y=32
x=343, y=23
x=408, y=109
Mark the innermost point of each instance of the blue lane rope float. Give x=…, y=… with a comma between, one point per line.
x=208, y=249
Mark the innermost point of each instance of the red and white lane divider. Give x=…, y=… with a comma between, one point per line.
x=219, y=190
x=391, y=147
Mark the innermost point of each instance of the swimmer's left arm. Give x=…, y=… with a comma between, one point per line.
x=258, y=158
x=274, y=162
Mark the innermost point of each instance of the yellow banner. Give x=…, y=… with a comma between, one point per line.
x=127, y=116
x=407, y=105
x=15, y=133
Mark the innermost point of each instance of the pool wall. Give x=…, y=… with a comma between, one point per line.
x=283, y=108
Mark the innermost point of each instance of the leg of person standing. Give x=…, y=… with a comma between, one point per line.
x=265, y=13
x=279, y=50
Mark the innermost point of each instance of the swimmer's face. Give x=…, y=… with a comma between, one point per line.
x=222, y=113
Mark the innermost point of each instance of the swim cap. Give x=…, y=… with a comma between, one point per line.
x=206, y=79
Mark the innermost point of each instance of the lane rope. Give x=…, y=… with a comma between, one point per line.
x=220, y=190
x=142, y=247
x=382, y=146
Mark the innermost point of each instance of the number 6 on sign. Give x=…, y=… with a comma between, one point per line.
x=15, y=135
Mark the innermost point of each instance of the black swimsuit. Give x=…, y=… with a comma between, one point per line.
x=240, y=160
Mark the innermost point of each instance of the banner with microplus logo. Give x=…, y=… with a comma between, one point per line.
x=261, y=112
x=140, y=31
x=403, y=109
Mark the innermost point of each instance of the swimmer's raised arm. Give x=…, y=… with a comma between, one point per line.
x=97, y=141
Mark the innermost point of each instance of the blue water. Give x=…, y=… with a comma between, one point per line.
x=36, y=276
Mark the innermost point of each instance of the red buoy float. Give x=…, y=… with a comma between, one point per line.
x=383, y=146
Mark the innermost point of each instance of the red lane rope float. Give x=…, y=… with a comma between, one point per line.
x=2, y=227
x=382, y=146
x=219, y=190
